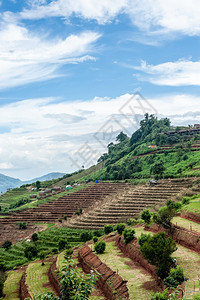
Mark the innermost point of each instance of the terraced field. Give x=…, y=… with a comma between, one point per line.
x=48, y=241
x=130, y=203
x=61, y=208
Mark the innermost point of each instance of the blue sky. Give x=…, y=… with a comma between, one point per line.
x=67, y=68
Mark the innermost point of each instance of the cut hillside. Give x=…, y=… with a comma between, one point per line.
x=59, y=209
x=130, y=203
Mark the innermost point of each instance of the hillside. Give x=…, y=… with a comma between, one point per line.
x=7, y=182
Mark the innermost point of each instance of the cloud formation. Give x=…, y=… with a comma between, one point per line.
x=179, y=73
x=26, y=57
x=148, y=15
x=36, y=144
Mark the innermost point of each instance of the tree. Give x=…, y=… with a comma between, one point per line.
x=165, y=214
x=74, y=284
x=120, y=227
x=129, y=235
x=122, y=137
x=100, y=247
x=7, y=244
x=34, y=237
x=158, y=168
x=38, y=184
x=157, y=250
x=30, y=251
x=146, y=216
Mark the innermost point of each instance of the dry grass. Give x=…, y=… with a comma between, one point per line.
x=128, y=270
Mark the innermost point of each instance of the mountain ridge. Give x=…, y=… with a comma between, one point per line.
x=7, y=182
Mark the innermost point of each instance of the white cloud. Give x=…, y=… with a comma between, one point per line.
x=37, y=144
x=179, y=73
x=26, y=57
x=149, y=15
x=168, y=16
x=103, y=11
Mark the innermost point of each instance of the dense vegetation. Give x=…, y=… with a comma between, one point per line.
x=48, y=242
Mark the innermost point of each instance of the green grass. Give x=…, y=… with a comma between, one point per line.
x=190, y=262
x=11, y=285
x=186, y=224
x=48, y=241
x=136, y=276
x=171, y=164
x=36, y=278
x=12, y=197
x=193, y=206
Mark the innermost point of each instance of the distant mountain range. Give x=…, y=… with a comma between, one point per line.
x=7, y=182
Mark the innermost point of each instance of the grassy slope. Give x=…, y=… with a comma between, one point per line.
x=37, y=277
x=48, y=240
x=193, y=206
x=11, y=285
x=13, y=198
x=170, y=162
x=128, y=270
x=187, y=224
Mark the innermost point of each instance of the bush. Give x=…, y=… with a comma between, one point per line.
x=160, y=296
x=157, y=250
x=185, y=200
x=86, y=236
x=108, y=229
x=34, y=237
x=7, y=244
x=120, y=227
x=79, y=211
x=97, y=233
x=95, y=239
x=22, y=225
x=146, y=216
x=60, y=220
x=100, y=247
x=175, y=277
x=62, y=244
x=68, y=252
x=129, y=235
x=54, y=250
x=143, y=238
x=30, y=251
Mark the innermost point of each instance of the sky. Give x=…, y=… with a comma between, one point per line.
x=73, y=74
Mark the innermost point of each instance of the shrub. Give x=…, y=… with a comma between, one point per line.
x=157, y=250
x=22, y=225
x=65, y=218
x=54, y=250
x=143, y=238
x=7, y=244
x=60, y=220
x=86, y=236
x=146, y=216
x=95, y=239
x=108, y=229
x=160, y=296
x=97, y=233
x=79, y=211
x=129, y=235
x=175, y=277
x=100, y=247
x=62, y=244
x=34, y=237
x=30, y=251
x=120, y=227
x=185, y=200
x=68, y=252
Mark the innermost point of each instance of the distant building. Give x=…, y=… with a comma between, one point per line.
x=197, y=126
x=152, y=146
